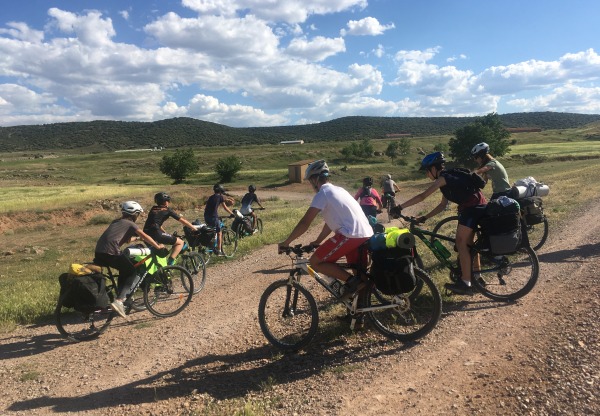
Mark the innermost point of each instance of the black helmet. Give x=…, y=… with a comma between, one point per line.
x=161, y=197
x=218, y=188
x=251, y=188
x=368, y=181
x=432, y=159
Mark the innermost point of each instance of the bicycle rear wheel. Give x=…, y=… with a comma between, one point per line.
x=81, y=326
x=230, y=242
x=537, y=234
x=408, y=316
x=288, y=315
x=168, y=291
x=194, y=263
x=507, y=277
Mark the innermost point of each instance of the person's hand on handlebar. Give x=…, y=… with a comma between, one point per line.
x=281, y=248
x=421, y=219
x=396, y=211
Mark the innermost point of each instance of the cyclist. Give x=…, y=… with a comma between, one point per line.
x=490, y=168
x=247, y=201
x=211, y=213
x=108, y=252
x=343, y=216
x=389, y=189
x=370, y=202
x=471, y=207
x=158, y=214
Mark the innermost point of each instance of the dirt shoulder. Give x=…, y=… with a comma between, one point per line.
x=537, y=356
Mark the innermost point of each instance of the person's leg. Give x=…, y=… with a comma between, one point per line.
x=324, y=258
x=127, y=275
x=464, y=241
x=175, y=250
x=253, y=220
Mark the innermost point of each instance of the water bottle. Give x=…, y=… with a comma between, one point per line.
x=441, y=249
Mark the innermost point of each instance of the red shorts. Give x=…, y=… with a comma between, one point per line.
x=338, y=246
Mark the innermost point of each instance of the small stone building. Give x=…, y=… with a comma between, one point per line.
x=296, y=171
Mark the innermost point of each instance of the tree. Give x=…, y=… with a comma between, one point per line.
x=227, y=168
x=179, y=165
x=404, y=146
x=487, y=129
x=358, y=150
x=392, y=151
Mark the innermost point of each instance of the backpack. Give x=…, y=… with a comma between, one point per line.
x=461, y=184
x=501, y=225
x=83, y=293
x=366, y=192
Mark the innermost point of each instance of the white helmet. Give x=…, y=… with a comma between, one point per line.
x=318, y=167
x=388, y=176
x=131, y=208
x=480, y=148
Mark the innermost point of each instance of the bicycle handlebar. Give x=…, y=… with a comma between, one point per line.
x=298, y=249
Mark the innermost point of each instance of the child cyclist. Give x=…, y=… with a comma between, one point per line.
x=490, y=168
x=211, y=213
x=343, y=216
x=471, y=207
x=247, y=201
x=108, y=251
x=157, y=216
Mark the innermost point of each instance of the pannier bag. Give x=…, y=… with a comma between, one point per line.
x=241, y=224
x=533, y=210
x=501, y=226
x=392, y=269
x=83, y=293
x=204, y=235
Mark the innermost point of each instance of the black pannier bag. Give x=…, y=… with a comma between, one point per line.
x=83, y=293
x=501, y=226
x=203, y=237
x=533, y=210
x=393, y=271
x=242, y=225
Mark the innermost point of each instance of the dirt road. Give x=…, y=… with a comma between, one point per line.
x=538, y=356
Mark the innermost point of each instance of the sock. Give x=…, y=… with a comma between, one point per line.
x=170, y=261
x=467, y=283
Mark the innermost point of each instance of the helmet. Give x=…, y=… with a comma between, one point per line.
x=431, y=160
x=131, y=208
x=218, y=188
x=368, y=181
x=161, y=197
x=318, y=167
x=480, y=149
x=251, y=188
x=388, y=176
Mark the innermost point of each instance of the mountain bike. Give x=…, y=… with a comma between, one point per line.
x=289, y=317
x=537, y=233
x=240, y=228
x=167, y=290
x=206, y=243
x=389, y=202
x=500, y=277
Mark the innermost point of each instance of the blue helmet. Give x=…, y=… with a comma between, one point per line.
x=431, y=160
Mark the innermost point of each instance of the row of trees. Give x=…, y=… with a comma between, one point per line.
x=183, y=164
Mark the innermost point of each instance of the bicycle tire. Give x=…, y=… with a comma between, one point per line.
x=288, y=315
x=81, y=326
x=230, y=242
x=507, y=277
x=259, y=225
x=415, y=315
x=446, y=227
x=168, y=291
x=193, y=262
x=538, y=234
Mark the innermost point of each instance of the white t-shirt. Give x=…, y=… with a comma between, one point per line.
x=341, y=212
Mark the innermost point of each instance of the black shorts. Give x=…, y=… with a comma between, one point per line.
x=163, y=238
x=469, y=217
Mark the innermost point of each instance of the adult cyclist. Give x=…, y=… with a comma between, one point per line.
x=492, y=170
x=389, y=189
x=343, y=216
x=471, y=207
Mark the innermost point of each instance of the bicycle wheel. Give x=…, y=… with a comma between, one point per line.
x=446, y=227
x=230, y=242
x=81, y=326
x=537, y=234
x=259, y=225
x=288, y=315
x=408, y=316
x=508, y=277
x=168, y=291
x=194, y=263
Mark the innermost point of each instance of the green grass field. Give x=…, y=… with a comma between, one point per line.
x=48, y=220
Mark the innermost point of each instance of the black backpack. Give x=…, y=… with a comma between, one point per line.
x=366, y=192
x=83, y=293
x=461, y=184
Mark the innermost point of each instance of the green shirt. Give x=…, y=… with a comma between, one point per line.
x=497, y=174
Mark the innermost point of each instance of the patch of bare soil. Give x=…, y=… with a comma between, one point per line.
x=537, y=356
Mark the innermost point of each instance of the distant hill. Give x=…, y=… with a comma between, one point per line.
x=180, y=132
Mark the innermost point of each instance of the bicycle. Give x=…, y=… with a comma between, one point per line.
x=389, y=202
x=167, y=291
x=239, y=224
x=289, y=317
x=536, y=233
x=502, y=278
x=206, y=244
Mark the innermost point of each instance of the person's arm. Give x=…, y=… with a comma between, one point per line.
x=226, y=208
x=187, y=223
x=149, y=239
x=439, y=182
x=377, y=199
x=322, y=235
x=396, y=188
x=301, y=227
x=483, y=169
x=258, y=202
x=439, y=208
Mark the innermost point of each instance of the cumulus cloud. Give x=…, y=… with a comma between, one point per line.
x=317, y=49
x=369, y=26
x=567, y=98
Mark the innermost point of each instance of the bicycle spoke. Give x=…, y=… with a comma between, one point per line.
x=167, y=292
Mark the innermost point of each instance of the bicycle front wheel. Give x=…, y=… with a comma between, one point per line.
x=288, y=315
x=168, y=291
x=446, y=227
x=194, y=263
x=81, y=326
x=507, y=277
x=408, y=316
x=259, y=225
x=230, y=242
x=537, y=234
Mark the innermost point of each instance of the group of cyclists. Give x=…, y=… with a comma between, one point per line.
x=125, y=230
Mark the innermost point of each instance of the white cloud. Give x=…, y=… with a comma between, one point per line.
x=90, y=29
x=317, y=49
x=567, y=98
x=23, y=32
x=369, y=26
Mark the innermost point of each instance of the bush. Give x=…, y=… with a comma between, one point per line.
x=227, y=168
x=179, y=165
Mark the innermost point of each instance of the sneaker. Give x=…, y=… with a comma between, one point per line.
x=353, y=285
x=118, y=307
x=459, y=288
x=220, y=254
x=255, y=231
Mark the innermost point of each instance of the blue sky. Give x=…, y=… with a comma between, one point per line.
x=247, y=63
